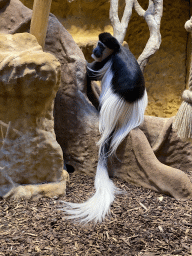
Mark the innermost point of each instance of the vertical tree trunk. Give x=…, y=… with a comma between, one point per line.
x=39, y=22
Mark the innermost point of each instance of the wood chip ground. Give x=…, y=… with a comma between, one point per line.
x=142, y=223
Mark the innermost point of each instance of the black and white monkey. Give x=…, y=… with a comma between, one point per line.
x=123, y=101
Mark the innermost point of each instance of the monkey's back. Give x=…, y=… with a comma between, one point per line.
x=128, y=81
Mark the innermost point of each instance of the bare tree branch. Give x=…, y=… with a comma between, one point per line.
x=139, y=9
x=152, y=16
x=120, y=27
x=188, y=25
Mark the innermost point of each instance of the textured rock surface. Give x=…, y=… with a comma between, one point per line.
x=29, y=81
x=71, y=105
x=160, y=177
x=76, y=119
x=165, y=73
x=172, y=153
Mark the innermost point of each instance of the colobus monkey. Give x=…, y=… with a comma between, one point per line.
x=123, y=101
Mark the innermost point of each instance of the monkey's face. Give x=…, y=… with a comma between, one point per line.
x=101, y=52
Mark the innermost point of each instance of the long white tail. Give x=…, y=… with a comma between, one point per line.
x=97, y=207
x=117, y=119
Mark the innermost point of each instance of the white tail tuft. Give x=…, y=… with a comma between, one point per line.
x=97, y=207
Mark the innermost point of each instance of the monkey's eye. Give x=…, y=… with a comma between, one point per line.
x=102, y=46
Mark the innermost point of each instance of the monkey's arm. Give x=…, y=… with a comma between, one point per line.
x=94, y=69
x=93, y=91
x=93, y=72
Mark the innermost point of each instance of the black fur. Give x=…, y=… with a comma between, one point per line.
x=128, y=81
x=108, y=40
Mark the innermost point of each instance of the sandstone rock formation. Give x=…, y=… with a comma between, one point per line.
x=29, y=152
x=76, y=119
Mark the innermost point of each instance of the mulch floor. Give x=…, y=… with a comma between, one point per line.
x=142, y=223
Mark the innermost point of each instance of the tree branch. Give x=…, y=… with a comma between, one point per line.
x=120, y=27
x=140, y=11
x=152, y=16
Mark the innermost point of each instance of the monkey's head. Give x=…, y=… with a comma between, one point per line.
x=106, y=45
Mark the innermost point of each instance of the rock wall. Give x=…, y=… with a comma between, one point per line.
x=165, y=73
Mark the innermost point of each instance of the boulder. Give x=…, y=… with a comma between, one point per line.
x=76, y=120
x=29, y=81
